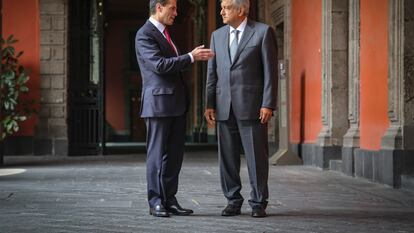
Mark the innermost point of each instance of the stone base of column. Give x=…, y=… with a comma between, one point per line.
x=319, y=156
x=1, y=152
x=384, y=166
x=51, y=147
x=18, y=145
x=28, y=145
x=273, y=148
x=285, y=157
x=348, y=158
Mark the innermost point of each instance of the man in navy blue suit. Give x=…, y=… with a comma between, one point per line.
x=164, y=105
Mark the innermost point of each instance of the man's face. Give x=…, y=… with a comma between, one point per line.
x=168, y=12
x=231, y=15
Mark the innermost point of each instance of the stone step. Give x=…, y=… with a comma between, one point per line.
x=335, y=165
x=407, y=182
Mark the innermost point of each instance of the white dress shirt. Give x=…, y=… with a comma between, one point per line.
x=161, y=28
x=240, y=28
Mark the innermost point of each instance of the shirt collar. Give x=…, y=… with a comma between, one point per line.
x=157, y=24
x=241, y=27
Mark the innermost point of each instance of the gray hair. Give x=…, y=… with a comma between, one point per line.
x=153, y=3
x=240, y=3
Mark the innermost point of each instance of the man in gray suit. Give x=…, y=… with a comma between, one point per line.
x=164, y=105
x=241, y=98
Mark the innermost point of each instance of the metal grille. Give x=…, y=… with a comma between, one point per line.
x=85, y=98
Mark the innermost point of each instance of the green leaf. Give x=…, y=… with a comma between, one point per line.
x=19, y=54
x=8, y=75
x=13, y=101
x=21, y=69
x=24, y=89
x=22, y=118
x=9, y=38
x=13, y=81
x=9, y=126
x=11, y=50
x=16, y=127
x=22, y=78
x=6, y=105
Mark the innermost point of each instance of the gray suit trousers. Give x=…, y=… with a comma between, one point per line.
x=250, y=135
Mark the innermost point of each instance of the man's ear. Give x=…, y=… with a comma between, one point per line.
x=158, y=7
x=241, y=11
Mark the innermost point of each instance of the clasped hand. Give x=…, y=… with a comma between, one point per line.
x=265, y=115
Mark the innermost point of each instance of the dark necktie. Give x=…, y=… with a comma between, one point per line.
x=167, y=36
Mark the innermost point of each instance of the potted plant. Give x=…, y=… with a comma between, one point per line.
x=13, y=83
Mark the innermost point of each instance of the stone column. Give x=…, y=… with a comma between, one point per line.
x=278, y=14
x=273, y=14
x=334, y=81
x=351, y=138
x=397, y=145
x=1, y=128
x=51, y=134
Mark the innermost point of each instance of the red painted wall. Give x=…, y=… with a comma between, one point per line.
x=373, y=72
x=306, y=71
x=21, y=18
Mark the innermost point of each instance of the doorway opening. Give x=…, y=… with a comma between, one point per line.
x=124, y=129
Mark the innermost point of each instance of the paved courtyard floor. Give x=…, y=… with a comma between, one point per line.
x=108, y=194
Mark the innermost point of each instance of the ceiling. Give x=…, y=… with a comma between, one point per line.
x=138, y=9
x=126, y=9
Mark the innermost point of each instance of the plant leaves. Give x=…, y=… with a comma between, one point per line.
x=9, y=38
x=13, y=81
x=19, y=54
x=24, y=89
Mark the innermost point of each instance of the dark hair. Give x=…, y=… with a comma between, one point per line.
x=153, y=3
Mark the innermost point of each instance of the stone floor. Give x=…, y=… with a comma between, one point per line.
x=107, y=194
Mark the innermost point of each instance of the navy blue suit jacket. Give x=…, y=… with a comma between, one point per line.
x=164, y=93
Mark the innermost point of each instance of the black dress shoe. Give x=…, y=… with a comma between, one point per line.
x=176, y=209
x=231, y=210
x=258, y=212
x=159, y=211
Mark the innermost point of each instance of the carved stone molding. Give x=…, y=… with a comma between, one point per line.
x=408, y=129
x=351, y=138
x=325, y=134
x=334, y=72
x=272, y=12
x=393, y=138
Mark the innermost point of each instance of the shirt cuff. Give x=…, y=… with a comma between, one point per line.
x=191, y=56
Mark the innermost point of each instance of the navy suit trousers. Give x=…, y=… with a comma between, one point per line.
x=165, y=149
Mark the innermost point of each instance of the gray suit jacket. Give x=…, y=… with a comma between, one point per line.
x=250, y=82
x=164, y=93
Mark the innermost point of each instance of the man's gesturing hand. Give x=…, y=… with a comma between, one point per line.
x=210, y=115
x=202, y=54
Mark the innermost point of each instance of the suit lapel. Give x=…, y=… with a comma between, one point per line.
x=178, y=51
x=225, y=46
x=162, y=40
x=247, y=35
